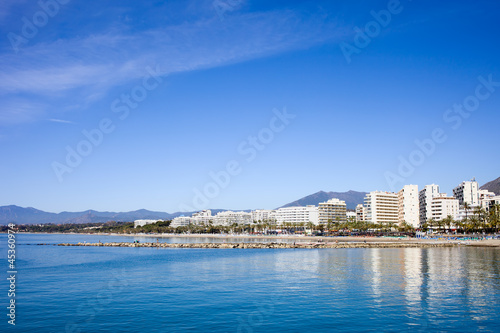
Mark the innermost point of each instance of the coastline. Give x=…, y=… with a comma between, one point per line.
x=327, y=240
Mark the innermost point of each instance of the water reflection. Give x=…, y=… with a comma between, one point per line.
x=320, y=290
x=428, y=287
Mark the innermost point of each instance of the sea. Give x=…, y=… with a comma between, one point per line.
x=105, y=289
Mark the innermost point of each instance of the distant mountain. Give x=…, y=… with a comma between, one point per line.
x=351, y=198
x=30, y=215
x=34, y=216
x=493, y=186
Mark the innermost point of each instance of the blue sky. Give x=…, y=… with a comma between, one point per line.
x=174, y=91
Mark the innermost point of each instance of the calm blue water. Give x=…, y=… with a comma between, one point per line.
x=76, y=289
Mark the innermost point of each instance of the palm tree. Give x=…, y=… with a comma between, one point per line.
x=494, y=217
x=448, y=221
x=466, y=208
x=473, y=223
x=329, y=225
x=440, y=224
x=480, y=214
x=310, y=225
x=431, y=223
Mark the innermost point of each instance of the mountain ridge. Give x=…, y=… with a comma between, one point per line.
x=30, y=215
x=492, y=186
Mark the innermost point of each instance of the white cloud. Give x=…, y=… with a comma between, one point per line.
x=85, y=68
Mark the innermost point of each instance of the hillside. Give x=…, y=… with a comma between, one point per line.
x=31, y=215
x=493, y=186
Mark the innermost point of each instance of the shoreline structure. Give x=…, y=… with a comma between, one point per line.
x=293, y=242
x=271, y=245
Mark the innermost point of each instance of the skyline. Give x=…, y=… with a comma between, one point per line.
x=157, y=98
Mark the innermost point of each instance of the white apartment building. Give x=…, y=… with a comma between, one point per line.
x=297, y=215
x=228, y=218
x=467, y=192
x=333, y=210
x=485, y=197
x=381, y=207
x=350, y=215
x=489, y=203
x=203, y=217
x=443, y=206
x=425, y=197
x=408, y=205
x=360, y=213
x=486, y=203
x=263, y=215
x=141, y=223
x=181, y=221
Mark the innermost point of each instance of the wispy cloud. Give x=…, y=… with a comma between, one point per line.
x=62, y=121
x=18, y=110
x=86, y=68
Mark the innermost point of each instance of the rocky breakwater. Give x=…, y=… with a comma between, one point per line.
x=273, y=245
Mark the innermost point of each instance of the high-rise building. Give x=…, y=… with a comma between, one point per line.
x=443, y=206
x=333, y=210
x=425, y=197
x=381, y=208
x=360, y=213
x=408, y=205
x=467, y=192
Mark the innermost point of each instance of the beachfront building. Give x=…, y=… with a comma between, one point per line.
x=228, y=218
x=485, y=197
x=467, y=192
x=333, y=210
x=443, y=206
x=203, y=217
x=181, y=221
x=297, y=215
x=142, y=223
x=425, y=197
x=381, y=208
x=351, y=215
x=360, y=213
x=490, y=202
x=408, y=206
x=263, y=215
